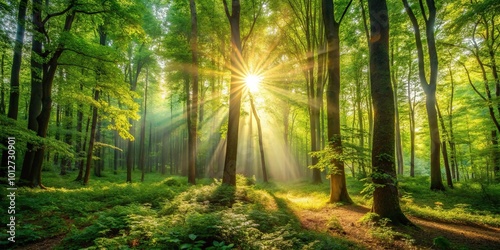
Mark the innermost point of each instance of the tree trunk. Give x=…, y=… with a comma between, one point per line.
x=451, y=139
x=14, y=75
x=496, y=155
x=142, y=161
x=338, y=186
x=399, y=146
x=193, y=110
x=444, y=150
x=91, y=140
x=261, y=144
x=68, y=138
x=2, y=86
x=133, y=78
x=229, y=176
x=82, y=152
x=35, y=105
x=385, y=196
x=429, y=86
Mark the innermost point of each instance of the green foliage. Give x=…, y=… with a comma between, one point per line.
x=369, y=219
x=166, y=213
x=463, y=204
x=380, y=229
x=173, y=182
x=163, y=214
x=17, y=129
x=220, y=246
x=441, y=243
x=194, y=245
x=334, y=224
x=325, y=159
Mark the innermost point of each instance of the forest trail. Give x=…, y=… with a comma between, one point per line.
x=468, y=236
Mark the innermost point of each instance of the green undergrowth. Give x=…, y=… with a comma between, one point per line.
x=57, y=210
x=167, y=213
x=380, y=229
x=466, y=203
x=470, y=203
x=162, y=213
x=213, y=216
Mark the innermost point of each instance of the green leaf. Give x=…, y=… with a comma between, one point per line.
x=192, y=236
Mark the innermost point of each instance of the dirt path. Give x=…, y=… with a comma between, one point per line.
x=470, y=237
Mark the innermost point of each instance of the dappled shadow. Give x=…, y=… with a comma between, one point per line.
x=470, y=236
x=297, y=218
x=342, y=222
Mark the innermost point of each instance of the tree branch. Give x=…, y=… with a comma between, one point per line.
x=86, y=55
x=418, y=42
x=423, y=10
x=345, y=10
x=49, y=16
x=255, y=17
x=77, y=65
x=91, y=12
x=471, y=84
x=226, y=10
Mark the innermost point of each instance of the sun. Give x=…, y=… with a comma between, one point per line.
x=253, y=82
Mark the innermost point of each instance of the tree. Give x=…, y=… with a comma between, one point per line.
x=259, y=131
x=42, y=76
x=385, y=195
x=14, y=75
x=235, y=92
x=429, y=86
x=483, y=17
x=142, y=161
x=306, y=42
x=338, y=187
x=193, y=108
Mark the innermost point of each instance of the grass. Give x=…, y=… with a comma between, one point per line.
x=467, y=203
x=167, y=213
x=161, y=213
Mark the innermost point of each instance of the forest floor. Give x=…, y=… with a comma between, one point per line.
x=460, y=236
x=167, y=213
x=436, y=227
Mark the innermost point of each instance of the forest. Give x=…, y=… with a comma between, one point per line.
x=250, y=124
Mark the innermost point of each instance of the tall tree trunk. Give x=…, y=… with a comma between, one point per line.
x=429, y=87
x=368, y=98
x=307, y=12
x=68, y=138
x=411, y=114
x=116, y=152
x=2, y=85
x=83, y=153
x=58, y=130
x=235, y=91
x=385, y=195
x=361, y=145
x=496, y=155
x=444, y=150
x=14, y=76
x=91, y=139
x=261, y=144
x=399, y=146
x=193, y=110
x=133, y=78
x=451, y=140
x=338, y=186
x=35, y=104
x=142, y=161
